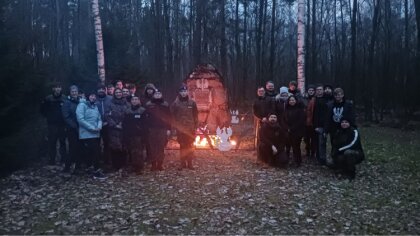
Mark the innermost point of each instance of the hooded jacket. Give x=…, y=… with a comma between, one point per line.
x=146, y=97
x=336, y=111
x=295, y=119
x=347, y=139
x=184, y=114
x=69, y=112
x=51, y=109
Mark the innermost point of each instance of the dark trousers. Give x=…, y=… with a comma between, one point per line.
x=295, y=145
x=309, y=141
x=158, y=140
x=321, y=151
x=119, y=158
x=56, y=133
x=347, y=161
x=105, y=154
x=135, y=150
x=74, y=148
x=280, y=159
x=186, y=142
x=91, y=151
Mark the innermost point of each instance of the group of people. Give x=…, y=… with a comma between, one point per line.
x=284, y=119
x=115, y=125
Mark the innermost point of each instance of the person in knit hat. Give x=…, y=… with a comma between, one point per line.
x=347, y=149
x=272, y=141
x=185, y=121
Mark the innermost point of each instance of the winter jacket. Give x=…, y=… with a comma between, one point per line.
x=294, y=117
x=272, y=134
x=146, y=97
x=134, y=122
x=310, y=111
x=347, y=139
x=51, y=109
x=298, y=95
x=159, y=115
x=89, y=120
x=103, y=104
x=263, y=106
x=336, y=111
x=320, y=112
x=114, y=117
x=69, y=112
x=185, y=115
x=272, y=94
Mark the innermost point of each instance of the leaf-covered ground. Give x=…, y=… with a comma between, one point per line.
x=228, y=193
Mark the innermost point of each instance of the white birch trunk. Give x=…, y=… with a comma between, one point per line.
x=301, y=46
x=99, y=41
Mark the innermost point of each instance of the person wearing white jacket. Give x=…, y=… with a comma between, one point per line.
x=90, y=125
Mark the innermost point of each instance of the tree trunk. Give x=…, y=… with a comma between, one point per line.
x=313, y=44
x=99, y=41
x=352, y=82
x=301, y=46
x=272, y=45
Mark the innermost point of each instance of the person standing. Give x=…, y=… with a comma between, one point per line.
x=114, y=117
x=270, y=89
x=134, y=130
x=159, y=124
x=309, y=101
x=319, y=119
x=110, y=90
x=51, y=109
x=90, y=125
x=185, y=120
x=103, y=102
x=340, y=107
x=72, y=128
x=295, y=120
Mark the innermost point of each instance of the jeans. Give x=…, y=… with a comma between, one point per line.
x=56, y=133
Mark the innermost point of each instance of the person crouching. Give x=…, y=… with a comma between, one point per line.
x=134, y=130
x=272, y=142
x=347, y=149
x=159, y=125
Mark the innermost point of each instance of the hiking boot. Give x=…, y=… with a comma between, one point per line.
x=99, y=175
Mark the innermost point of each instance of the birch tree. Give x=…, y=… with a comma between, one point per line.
x=301, y=46
x=99, y=41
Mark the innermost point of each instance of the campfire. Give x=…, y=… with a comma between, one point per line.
x=221, y=140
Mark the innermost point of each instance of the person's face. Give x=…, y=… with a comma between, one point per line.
x=338, y=96
x=260, y=92
x=92, y=98
x=345, y=124
x=118, y=94
x=110, y=90
x=119, y=85
x=158, y=95
x=272, y=118
x=125, y=92
x=133, y=91
x=82, y=95
x=101, y=91
x=149, y=91
x=269, y=87
x=56, y=90
x=311, y=92
x=292, y=101
x=328, y=90
x=292, y=87
x=284, y=96
x=135, y=101
x=183, y=93
x=319, y=91
x=74, y=93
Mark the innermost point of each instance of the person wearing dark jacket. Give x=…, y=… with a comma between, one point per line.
x=295, y=120
x=293, y=90
x=51, y=109
x=328, y=93
x=340, y=107
x=185, y=121
x=103, y=102
x=72, y=128
x=319, y=119
x=159, y=124
x=114, y=117
x=272, y=141
x=270, y=90
x=148, y=92
x=263, y=105
x=347, y=149
x=134, y=130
